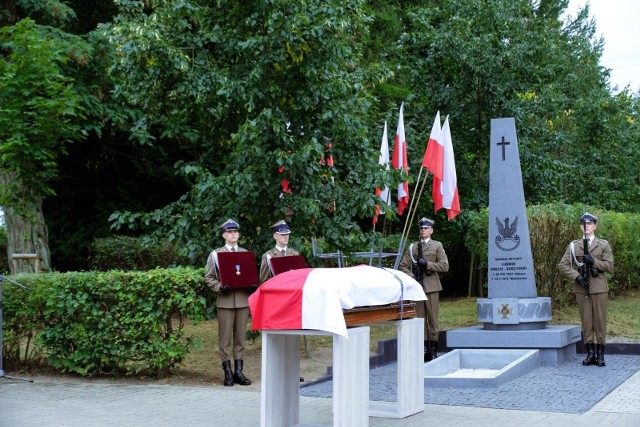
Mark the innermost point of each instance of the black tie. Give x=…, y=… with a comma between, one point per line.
x=284, y=251
x=233, y=249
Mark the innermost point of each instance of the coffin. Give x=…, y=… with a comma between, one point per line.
x=375, y=314
x=316, y=298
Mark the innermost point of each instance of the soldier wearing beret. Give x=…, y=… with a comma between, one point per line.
x=424, y=260
x=281, y=233
x=586, y=269
x=233, y=308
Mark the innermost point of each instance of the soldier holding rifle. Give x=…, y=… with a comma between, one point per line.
x=423, y=260
x=585, y=261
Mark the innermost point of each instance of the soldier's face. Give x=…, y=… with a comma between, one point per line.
x=231, y=237
x=589, y=227
x=425, y=232
x=282, y=240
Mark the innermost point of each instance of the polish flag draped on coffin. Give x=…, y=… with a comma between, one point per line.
x=313, y=298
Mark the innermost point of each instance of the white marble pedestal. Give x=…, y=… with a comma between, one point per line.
x=410, y=385
x=280, y=397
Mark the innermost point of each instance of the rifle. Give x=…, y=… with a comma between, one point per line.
x=584, y=269
x=417, y=270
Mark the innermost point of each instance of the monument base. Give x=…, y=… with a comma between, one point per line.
x=514, y=313
x=556, y=343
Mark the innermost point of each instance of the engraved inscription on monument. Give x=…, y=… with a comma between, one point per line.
x=510, y=272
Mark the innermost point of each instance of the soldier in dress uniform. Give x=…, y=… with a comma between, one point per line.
x=586, y=270
x=233, y=308
x=281, y=233
x=424, y=260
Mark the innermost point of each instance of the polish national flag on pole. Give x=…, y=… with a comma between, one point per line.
x=434, y=154
x=399, y=161
x=449, y=184
x=383, y=161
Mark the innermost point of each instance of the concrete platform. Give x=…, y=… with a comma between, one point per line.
x=556, y=343
x=479, y=368
x=544, y=397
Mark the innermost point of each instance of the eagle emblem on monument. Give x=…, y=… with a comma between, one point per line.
x=507, y=234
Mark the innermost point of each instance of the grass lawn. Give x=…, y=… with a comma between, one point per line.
x=624, y=323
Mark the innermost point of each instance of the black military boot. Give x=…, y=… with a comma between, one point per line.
x=228, y=375
x=591, y=357
x=434, y=349
x=238, y=376
x=600, y=355
x=427, y=351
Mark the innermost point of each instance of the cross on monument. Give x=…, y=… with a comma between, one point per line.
x=503, y=144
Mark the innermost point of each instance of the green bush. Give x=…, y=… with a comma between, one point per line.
x=552, y=227
x=105, y=322
x=131, y=253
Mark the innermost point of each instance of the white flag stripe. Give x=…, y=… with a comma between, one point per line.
x=384, y=160
x=449, y=181
x=327, y=291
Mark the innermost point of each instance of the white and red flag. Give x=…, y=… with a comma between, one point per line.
x=449, y=185
x=313, y=298
x=383, y=194
x=434, y=154
x=399, y=161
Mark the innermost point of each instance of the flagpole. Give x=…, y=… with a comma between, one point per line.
x=387, y=202
x=424, y=181
x=410, y=215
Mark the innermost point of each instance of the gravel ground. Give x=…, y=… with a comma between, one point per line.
x=568, y=387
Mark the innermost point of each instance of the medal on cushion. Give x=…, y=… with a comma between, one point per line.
x=238, y=269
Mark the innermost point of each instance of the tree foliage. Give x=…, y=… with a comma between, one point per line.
x=233, y=98
x=269, y=91
x=38, y=109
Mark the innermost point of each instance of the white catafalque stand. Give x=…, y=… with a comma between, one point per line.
x=280, y=398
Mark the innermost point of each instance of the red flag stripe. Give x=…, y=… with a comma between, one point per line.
x=433, y=158
x=399, y=161
x=315, y=298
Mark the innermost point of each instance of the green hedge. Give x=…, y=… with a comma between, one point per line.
x=552, y=227
x=132, y=253
x=103, y=322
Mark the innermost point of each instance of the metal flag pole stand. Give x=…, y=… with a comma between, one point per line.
x=2, y=375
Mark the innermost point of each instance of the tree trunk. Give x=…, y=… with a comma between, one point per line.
x=27, y=235
x=9, y=17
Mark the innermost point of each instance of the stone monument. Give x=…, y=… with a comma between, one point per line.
x=513, y=300
x=513, y=316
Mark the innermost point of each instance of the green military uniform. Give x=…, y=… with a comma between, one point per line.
x=592, y=300
x=265, y=266
x=436, y=262
x=232, y=312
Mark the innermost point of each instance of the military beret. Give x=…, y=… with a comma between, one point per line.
x=229, y=225
x=424, y=222
x=280, y=227
x=588, y=217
